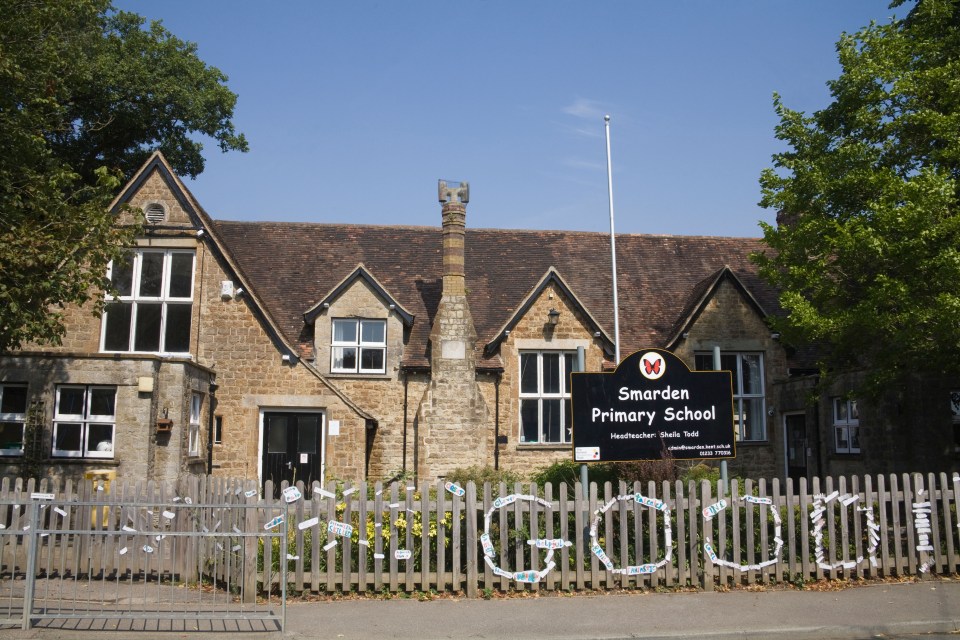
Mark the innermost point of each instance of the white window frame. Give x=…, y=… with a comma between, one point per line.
x=193, y=432
x=14, y=418
x=845, y=425
x=359, y=345
x=540, y=395
x=85, y=421
x=134, y=299
x=739, y=396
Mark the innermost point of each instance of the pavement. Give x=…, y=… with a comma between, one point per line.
x=928, y=609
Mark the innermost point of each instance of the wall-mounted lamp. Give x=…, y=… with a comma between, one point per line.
x=285, y=358
x=392, y=307
x=326, y=305
x=506, y=334
x=200, y=233
x=239, y=292
x=685, y=335
x=553, y=317
x=596, y=334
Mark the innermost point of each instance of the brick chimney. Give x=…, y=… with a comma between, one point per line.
x=452, y=414
x=453, y=198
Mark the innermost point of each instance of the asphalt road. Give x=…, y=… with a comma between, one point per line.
x=929, y=609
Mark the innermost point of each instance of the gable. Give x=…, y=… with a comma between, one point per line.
x=706, y=292
x=155, y=183
x=360, y=276
x=550, y=281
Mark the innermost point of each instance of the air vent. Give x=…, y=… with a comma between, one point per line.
x=155, y=213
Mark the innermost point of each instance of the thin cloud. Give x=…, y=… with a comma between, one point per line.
x=584, y=108
x=576, y=163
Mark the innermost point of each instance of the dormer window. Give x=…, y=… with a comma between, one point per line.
x=358, y=346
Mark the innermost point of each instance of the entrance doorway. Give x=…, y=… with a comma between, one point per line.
x=795, y=442
x=292, y=448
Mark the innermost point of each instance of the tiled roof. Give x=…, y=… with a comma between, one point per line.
x=293, y=265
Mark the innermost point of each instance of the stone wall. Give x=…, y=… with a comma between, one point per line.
x=139, y=449
x=230, y=340
x=381, y=395
x=532, y=333
x=909, y=430
x=729, y=321
x=252, y=375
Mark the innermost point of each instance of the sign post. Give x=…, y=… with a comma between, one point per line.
x=652, y=406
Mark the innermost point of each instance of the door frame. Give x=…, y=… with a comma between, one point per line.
x=281, y=409
x=786, y=442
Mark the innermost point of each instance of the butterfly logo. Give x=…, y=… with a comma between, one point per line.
x=652, y=365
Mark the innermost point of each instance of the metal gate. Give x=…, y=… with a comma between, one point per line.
x=142, y=560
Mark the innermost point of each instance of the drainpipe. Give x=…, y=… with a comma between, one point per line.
x=496, y=422
x=416, y=450
x=406, y=384
x=210, y=419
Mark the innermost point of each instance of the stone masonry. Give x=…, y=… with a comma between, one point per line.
x=452, y=414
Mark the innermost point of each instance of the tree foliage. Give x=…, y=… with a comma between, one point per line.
x=866, y=252
x=86, y=94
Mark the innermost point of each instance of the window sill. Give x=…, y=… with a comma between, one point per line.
x=359, y=376
x=166, y=355
x=90, y=462
x=541, y=446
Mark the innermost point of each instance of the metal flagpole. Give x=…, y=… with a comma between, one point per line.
x=616, y=305
x=613, y=248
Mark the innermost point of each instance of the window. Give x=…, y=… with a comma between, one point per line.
x=749, y=413
x=846, y=425
x=13, y=416
x=955, y=413
x=154, y=308
x=359, y=346
x=84, y=421
x=218, y=430
x=193, y=435
x=545, y=413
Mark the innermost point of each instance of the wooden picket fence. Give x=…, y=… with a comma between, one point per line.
x=432, y=537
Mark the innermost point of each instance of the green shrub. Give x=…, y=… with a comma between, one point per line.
x=569, y=471
x=480, y=475
x=702, y=471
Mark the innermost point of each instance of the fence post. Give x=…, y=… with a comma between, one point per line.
x=32, y=538
x=707, y=527
x=250, y=538
x=472, y=574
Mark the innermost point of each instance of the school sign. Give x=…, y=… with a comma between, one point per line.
x=652, y=404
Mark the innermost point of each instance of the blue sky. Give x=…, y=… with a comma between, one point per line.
x=353, y=110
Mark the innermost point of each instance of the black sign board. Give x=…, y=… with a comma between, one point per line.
x=652, y=404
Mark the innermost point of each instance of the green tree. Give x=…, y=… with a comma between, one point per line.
x=866, y=252
x=86, y=94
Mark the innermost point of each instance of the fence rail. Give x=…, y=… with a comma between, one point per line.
x=447, y=538
x=135, y=552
